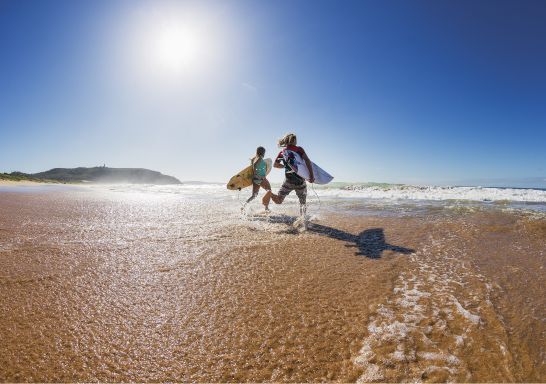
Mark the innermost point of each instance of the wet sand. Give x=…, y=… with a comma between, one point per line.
x=120, y=287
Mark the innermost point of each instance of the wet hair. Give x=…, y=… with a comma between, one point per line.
x=260, y=151
x=288, y=139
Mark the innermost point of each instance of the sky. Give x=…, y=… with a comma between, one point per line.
x=427, y=92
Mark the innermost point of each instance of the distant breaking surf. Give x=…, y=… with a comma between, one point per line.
x=412, y=192
x=374, y=191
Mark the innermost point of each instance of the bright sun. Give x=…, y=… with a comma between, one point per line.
x=167, y=45
x=178, y=48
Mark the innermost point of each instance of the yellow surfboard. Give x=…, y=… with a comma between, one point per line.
x=244, y=178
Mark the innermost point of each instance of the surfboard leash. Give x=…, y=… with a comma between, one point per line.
x=239, y=198
x=316, y=194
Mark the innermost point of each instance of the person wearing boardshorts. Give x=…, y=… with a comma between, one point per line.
x=292, y=181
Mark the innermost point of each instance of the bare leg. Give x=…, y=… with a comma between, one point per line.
x=265, y=185
x=277, y=199
x=266, y=199
x=255, y=189
x=271, y=196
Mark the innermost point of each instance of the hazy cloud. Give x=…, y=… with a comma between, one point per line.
x=249, y=87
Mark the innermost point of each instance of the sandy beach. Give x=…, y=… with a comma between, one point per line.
x=105, y=284
x=13, y=183
x=272, y=191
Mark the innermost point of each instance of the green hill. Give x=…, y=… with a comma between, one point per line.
x=101, y=175
x=20, y=176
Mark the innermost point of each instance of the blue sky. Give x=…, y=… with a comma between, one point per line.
x=391, y=91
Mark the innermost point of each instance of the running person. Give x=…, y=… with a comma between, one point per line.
x=292, y=181
x=259, y=171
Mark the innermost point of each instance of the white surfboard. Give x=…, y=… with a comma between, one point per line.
x=298, y=165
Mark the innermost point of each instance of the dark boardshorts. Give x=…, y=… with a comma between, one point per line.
x=287, y=187
x=257, y=180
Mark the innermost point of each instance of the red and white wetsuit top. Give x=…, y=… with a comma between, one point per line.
x=289, y=173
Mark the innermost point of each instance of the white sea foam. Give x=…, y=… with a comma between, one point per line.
x=386, y=198
x=464, y=312
x=382, y=191
x=411, y=192
x=423, y=327
x=448, y=358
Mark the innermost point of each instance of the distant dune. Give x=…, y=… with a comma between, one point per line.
x=101, y=175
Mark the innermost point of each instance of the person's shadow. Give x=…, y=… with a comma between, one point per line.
x=370, y=242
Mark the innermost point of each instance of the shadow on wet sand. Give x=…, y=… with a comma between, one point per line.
x=370, y=243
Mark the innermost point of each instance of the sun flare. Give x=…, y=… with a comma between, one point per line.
x=178, y=48
x=167, y=47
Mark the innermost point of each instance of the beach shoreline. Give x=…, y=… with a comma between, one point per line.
x=116, y=286
x=18, y=183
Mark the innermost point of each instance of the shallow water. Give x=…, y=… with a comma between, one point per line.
x=147, y=283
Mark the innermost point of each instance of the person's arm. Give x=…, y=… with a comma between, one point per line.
x=277, y=162
x=309, y=167
x=253, y=165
